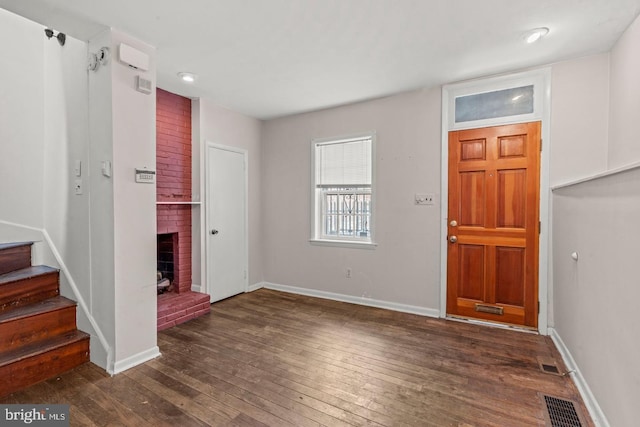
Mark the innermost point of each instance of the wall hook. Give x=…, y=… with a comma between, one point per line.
x=61, y=37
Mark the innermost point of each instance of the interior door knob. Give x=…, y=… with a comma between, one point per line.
x=453, y=239
x=214, y=232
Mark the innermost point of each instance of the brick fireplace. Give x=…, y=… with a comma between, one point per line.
x=173, y=210
x=167, y=257
x=174, y=232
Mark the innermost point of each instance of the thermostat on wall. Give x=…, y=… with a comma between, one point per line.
x=143, y=85
x=145, y=176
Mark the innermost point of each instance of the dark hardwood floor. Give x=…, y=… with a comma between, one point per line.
x=276, y=359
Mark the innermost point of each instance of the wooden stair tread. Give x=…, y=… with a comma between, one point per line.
x=39, y=338
x=48, y=305
x=38, y=348
x=26, y=273
x=14, y=245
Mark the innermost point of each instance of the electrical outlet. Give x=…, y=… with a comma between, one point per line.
x=78, y=186
x=424, y=199
x=348, y=273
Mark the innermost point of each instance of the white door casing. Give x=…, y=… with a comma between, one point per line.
x=226, y=221
x=541, y=79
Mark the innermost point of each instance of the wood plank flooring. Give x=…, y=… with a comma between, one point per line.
x=274, y=359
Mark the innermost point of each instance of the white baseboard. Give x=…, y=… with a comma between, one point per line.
x=589, y=399
x=136, y=359
x=255, y=287
x=412, y=309
x=196, y=288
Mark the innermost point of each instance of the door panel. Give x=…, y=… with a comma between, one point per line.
x=509, y=275
x=493, y=212
x=471, y=284
x=226, y=215
x=512, y=198
x=472, y=198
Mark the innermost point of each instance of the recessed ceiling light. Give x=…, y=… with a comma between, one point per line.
x=536, y=34
x=187, y=77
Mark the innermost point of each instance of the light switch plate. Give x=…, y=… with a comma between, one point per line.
x=106, y=168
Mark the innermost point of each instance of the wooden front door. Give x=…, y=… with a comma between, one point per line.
x=494, y=197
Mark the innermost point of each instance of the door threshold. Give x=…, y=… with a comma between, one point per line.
x=490, y=324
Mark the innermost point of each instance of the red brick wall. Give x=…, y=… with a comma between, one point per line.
x=173, y=177
x=173, y=147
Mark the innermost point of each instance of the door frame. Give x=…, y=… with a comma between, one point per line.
x=207, y=247
x=541, y=80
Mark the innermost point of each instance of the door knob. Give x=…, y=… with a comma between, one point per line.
x=453, y=239
x=214, y=232
x=453, y=223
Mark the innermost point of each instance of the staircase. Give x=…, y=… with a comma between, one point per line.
x=38, y=334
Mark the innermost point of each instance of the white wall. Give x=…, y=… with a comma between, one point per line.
x=624, y=147
x=404, y=268
x=134, y=210
x=409, y=123
x=219, y=125
x=123, y=212
x=102, y=298
x=594, y=315
x=596, y=297
x=22, y=72
x=67, y=215
x=579, y=118
x=66, y=131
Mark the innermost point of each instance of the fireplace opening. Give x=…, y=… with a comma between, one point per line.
x=167, y=262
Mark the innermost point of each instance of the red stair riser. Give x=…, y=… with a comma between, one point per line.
x=30, y=290
x=15, y=258
x=33, y=370
x=36, y=328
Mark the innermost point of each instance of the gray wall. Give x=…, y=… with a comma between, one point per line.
x=404, y=268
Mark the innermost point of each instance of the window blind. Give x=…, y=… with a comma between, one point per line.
x=343, y=163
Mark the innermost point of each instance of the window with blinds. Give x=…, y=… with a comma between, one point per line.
x=343, y=186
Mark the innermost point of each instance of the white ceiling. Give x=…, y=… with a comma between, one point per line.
x=270, y=58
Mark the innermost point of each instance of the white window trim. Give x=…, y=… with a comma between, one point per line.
x=316, y=238
x=343, y=243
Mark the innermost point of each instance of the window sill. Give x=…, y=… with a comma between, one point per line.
x=343, y=243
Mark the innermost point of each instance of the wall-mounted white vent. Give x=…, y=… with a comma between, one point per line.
x=133, y=57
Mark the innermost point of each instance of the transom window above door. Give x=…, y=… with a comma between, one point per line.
x=517, y=98
x=490, y=105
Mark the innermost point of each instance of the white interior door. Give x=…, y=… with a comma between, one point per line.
x=226, y=222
